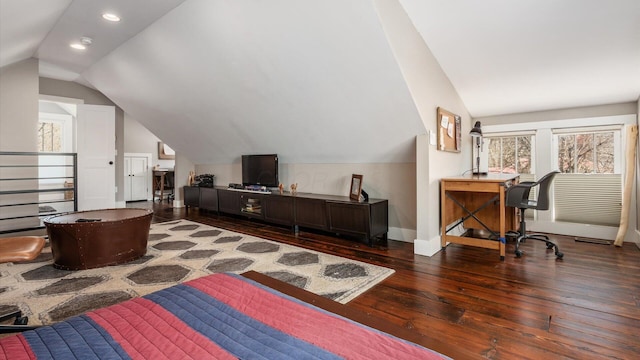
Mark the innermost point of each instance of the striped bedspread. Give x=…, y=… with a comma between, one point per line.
x=220, y=316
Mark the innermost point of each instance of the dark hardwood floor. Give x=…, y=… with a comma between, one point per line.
x=586, y=306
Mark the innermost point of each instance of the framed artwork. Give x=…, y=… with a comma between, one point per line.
x=356, y=187
x=449, y=127
x=165, y=152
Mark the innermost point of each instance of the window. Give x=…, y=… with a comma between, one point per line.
x=49, y=136
x=589, y=190
x=511, y=154
x=586, y=153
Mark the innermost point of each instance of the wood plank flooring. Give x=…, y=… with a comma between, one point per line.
x=586, y=306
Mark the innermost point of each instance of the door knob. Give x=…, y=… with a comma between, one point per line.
x=110, y=162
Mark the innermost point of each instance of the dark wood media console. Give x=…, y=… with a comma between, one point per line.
x=336, y=214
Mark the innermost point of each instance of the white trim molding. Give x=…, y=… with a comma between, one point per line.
x=402, y=234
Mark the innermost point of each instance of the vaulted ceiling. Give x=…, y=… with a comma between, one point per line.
x=317, y=81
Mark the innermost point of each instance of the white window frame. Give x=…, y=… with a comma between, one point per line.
x=515, y=134
x=67, y=129
x=618, y=131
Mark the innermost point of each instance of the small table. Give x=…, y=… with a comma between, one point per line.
x=478, y=202
x=96, y=238
x=162, y=180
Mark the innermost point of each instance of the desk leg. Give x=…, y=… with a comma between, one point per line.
x=503, y=214
x=161, y=187
x=443, y=221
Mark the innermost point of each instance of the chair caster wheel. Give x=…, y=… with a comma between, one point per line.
x=21, y=320
x=550, y=246
x=559, y=255
x=518, y=253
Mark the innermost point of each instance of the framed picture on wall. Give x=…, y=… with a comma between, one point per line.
x=165, y=152
x=449, y=126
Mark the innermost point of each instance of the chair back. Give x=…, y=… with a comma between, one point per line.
x=543, y=190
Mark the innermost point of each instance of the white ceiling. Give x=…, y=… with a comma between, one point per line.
x=200, y=62
x=506, y=56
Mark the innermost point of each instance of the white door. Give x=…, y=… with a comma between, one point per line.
x=96, y=142
x=136, y=183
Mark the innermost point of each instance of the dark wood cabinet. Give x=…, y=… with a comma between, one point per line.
x=368, y=220
x=208, y=199
x=279, y=210
x=311, y=213
x=191, y=196
x=229, y=201
x=201, y=197
x=348, y=218
x=337, y=214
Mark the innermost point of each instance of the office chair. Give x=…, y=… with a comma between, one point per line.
x=16, y=249
x=518, y=196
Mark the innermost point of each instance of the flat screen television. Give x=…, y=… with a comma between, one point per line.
x=260, y=170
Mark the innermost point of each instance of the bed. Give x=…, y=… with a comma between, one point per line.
x=222, y=316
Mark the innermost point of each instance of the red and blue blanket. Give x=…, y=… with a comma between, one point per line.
x=220, y=316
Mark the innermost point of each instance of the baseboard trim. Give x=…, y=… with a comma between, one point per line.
x=427, y=247
x=402, y=234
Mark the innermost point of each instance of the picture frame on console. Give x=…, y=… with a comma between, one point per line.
x=356, y=187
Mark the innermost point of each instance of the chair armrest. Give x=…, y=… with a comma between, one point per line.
x=518, y=195
x=527, y=184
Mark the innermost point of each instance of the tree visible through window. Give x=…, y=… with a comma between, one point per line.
x=586, y=153
x=49, y=137
x=510, y=154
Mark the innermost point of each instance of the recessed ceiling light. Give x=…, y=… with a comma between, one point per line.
x=85, y=41
x=111, y=17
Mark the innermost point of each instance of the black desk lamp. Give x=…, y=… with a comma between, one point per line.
x=476, y=133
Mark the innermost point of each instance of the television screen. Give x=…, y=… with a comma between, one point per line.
x=260, y=170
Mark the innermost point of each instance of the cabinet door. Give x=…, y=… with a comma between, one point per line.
x=191, y=196
x=379, y=218
x=208, y=199
x=229, y=201
x=347, y=218
x=135, y=184
x=279, y=209
x=311, y=213
x=252, y=205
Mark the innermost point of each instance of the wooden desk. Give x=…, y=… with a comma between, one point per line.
x=160, y=180
x=477, y=202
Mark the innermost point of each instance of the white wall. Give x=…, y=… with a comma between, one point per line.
x=411, y=188
x=19, y=106
x=74, y=90
x=562, y=114
x=138, y=139
x=392, y=181
x=18, y=132
x=638, y=178
x=430, y=88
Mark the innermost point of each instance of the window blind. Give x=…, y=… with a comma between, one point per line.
x=588, y=198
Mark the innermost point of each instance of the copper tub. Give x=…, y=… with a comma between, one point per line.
x=96, y=238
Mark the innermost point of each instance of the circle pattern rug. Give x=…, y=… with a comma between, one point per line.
x=177, y=251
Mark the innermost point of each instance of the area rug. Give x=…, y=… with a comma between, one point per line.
x=177, y=251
